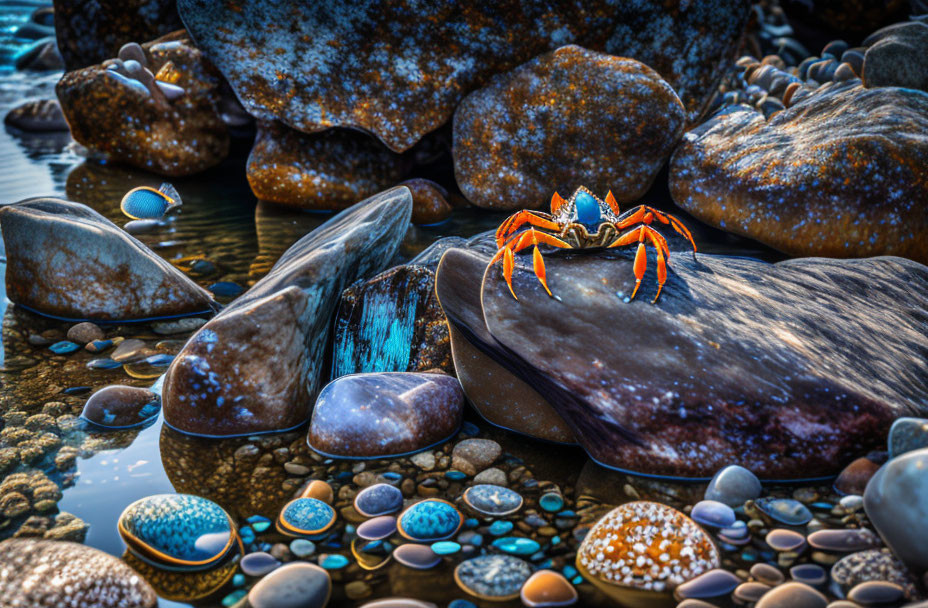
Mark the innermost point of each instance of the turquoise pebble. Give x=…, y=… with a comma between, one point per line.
x=302, y=547
x=555, y=540
x=516, y=545
x=261, y=526
x=462, y=603
x=103, y=364
x=98, y=345
x=500, y=527
x=334, y=561
x=551, y=502
x=238, y=580
x=577, y=580
x=234, y=597
x=455, y=475
x=391, y=475
x=64, y=347
x=471, y=523
x=569, y=571
x=446, y=547
x=349, y=529
x=247, y=534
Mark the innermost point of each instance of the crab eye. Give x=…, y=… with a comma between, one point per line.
x=588, y=211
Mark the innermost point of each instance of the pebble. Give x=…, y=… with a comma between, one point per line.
x=445, y=547
x=733, y=486
x=844, y=541
x=792, y=595
x=784, y=510
x=429, y=520
x=547, y=588
x=119, y=407
x=905, y=435
x=319, y=490
x=424, y=460
x=333, y=561
x=872, y=565
x=492, y=577
x=855, y=476
x=750, y=593
x=85, y=332
x=258, y=563
x=64, y=347
x=178, y=326
x=419, y=557
x=473, y=455
x=294, y=585
x=377, y=528
x=302, y=547
x=305, y=517
x=492, y=476
x=713, y=513
x=492, y=500
x=128, y=350
x=226, y=289
x=551, y=502
x=500, y=527
x=404, y=602
x=515, y=545
x=781, y=539
x=876, y=593
x=378, y=499
x=714, y=583
x=809, y=574
x=767, y=574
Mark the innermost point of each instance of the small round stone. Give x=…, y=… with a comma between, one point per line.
x=493, y=577
x=750, y=593
x=905, y=435
x=471, y=456
x=500, y=527
x=792, y=595
x=781, y=539
x=85, y=332
x=855, y=476
x=378, y=499
x=767, y=574
x=492, y=500
x=548, y=588
x=302, y=547
x=844, y=541
x=305, y=517
x=120, y=407
x=551, y=502
x=319, y=490
x=295, y=585
x=420, y=557
x=515, y=545
x=784, y=510
x=809, y=574
x=445, y=547
x=713, y=513
x=429, y=520
x=258, y=563
x=876, y=593
x=377, y=528
x=714, y=583
x=334, y=561
x=733, y=485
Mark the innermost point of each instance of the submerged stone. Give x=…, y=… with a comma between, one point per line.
x=528, y=132
x=120, y=407
x=429, y=520
x=385, y=414
x=65, y=260
x=305, y=517
x=493, y=577
x=401, y=73
x=784, y=510
x=258, y=365
x=37, y=116
x=84, y=577
x=495, y=501
x=832, y=175
x=733, y=485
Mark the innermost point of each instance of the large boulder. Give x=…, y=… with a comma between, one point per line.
x=841, y=173
x=398, y=72
x=127, y=116
x=897, y=56
x=565, y=119
x=257, y=366
x=789, y=369
x=65, y=260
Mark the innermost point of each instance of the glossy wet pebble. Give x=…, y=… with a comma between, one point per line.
x=749, y=593
x=551, y=502
x=733, y=485
x=714, y=583
x=515, y=545
x=445, y=547
x=179, y=530
x=294, y=585
x=319, y=490
x=334, y=561
x=844, y=541
x=120, y=406
x=713, y=513
x=809, y=574
x=548, y=588
x=784, y=510
x=905, y=435
x=64, y=347
x=420, y=557
x=876, y=593
x=792, y=595
x=305, y=517
x=399, y=602
x=492, y=500
x=767, y=574
x=258, y=563
x=302, y=547
x=782, y=539
x=377, y=528
x=492, y=577
x=378, y=499
x=429, y=520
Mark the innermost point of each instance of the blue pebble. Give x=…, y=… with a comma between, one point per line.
x=247, y=534
x=335, y=561
x=392, y=476
x=99, y=345
x=516, y=545
x=500, y=527
x=103, y=364
x=64, y=347
x=551, y=502
x=302, y=547
x=471, y=522
x=569, y=571
x=238, y=580
x=446, y=547
x=234, y=598
x=259, y=523
x=462, y=603
x=160, y=360
x=226, y=289
x=455, y=475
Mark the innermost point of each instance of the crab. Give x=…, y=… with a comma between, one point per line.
x=582, y=222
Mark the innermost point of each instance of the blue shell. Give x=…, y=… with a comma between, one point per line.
x=492, y=500
x=145, y=203
x=429, y=520
x=179, y=530
x=588, y=211
x=305, y=517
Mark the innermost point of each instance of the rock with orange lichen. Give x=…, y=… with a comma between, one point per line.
x=118, y=109
x=569, y=118
x=645, y=546
x=429, y=201
x=330, y=171
x=398, y=70
x=842, y=173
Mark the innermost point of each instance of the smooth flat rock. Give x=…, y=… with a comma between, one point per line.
x=398, y=72
x=385, y=414
x=528, y=131
x=37, y=116
x=84, y=577
x=65, y=260
x=779, y=367
x=841, y=173
x=258, y=365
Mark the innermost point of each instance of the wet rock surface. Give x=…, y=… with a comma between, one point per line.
x=330, y=171
x=37, y=116
x=437, y=56
x=896, y=57
x=121, y=406
x=832, y=175
x=127, y=116
x=738, y=318
x=385, y=414
x=66, y=260
x=529, y=131
x=288, y=315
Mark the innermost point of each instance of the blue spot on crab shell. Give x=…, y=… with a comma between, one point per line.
x=429, y=520
x=588, y=212
x=177, y=531
x=305, y=517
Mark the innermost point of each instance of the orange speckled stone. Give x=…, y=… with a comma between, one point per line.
x=429, y=205
x=548, y=588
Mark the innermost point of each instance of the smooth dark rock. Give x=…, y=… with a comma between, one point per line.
x=741, y=357
x=906, y=435
x=844, y=541
x=832, y=175
x=530, y=131
x=121, y=406
x=854, y=477
x=66, y=260
x=429, y=202
x=37, y=116
x=401, y=72
x=713, y=513
x=258, y=365
x=809, y=574
x=876, y=593
x=385, y=414
x=784, y=510
x=733, y=485
x=767, y=574
x=792, y=595
x=897, y=56
x=714, y=583
x=84, y=577
x=378, y=499
x=41, y=56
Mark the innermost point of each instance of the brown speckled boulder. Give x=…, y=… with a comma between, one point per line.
x=50, y=574
x=566, y=119
x=121, y=118
x=842, y=173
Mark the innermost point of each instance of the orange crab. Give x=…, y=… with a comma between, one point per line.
x=582, y=222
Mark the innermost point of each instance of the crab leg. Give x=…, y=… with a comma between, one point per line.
x=677, y=225
x=518, y=243
x=661, y=265
x=517, y=220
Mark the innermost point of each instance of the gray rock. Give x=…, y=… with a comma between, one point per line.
x=474, y=455
x=733, y=485
x=896, y=501
x=39, y=115
x=906, y=435
x=897, y=57
x=67, y=261
x=296, y=585
x=258, y=365
x=51, y=574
